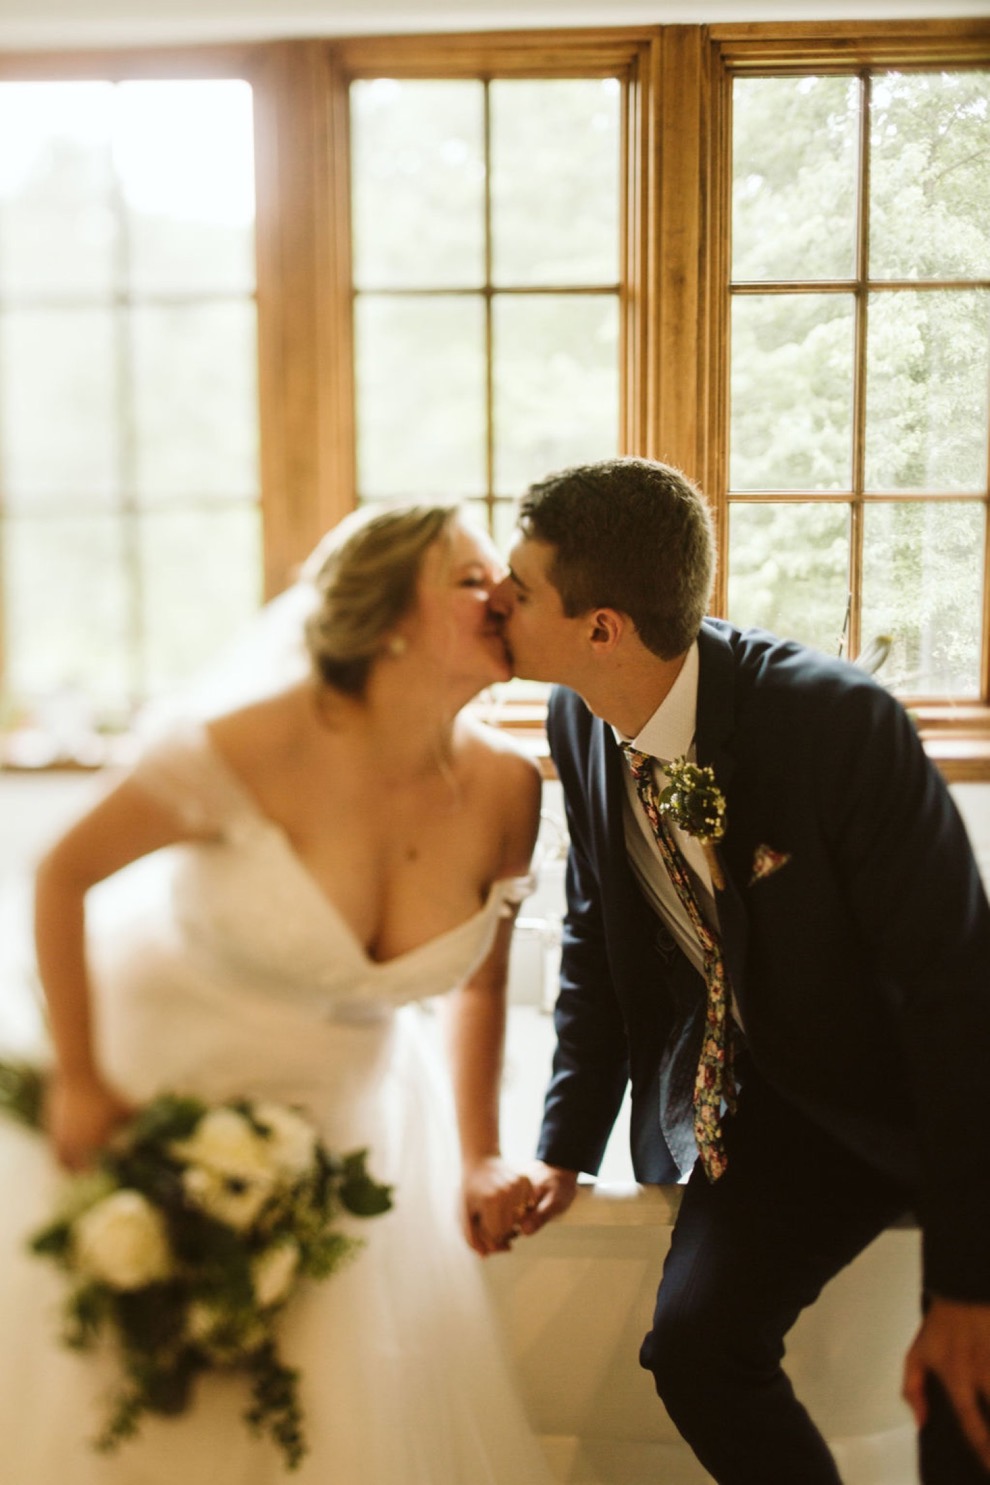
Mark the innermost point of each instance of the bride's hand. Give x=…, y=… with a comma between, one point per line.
x=81, y=1115
x=496, y=1198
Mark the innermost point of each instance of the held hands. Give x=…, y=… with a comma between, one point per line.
x=501, y=1205
x=81, y=1115
x=495, y=1200
x=953, y=1345
x=553, y=1191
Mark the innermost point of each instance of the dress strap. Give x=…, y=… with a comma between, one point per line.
x=183, y=771
x=512, y=891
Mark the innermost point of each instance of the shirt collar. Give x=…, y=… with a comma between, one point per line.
x=669, y=733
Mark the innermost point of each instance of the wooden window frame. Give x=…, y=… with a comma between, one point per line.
x=956, y=734
x=676, y=181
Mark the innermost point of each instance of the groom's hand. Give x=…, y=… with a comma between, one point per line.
x=553, y=1191
x=953, y=1345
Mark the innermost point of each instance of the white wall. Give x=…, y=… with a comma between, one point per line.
x=73, y=23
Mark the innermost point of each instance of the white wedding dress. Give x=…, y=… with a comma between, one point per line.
x=231, y=973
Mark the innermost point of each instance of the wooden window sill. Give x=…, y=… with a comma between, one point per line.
x=956, y=738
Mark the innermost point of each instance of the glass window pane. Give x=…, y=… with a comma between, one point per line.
x=929, y=186
x=555, y=181
x=201, y=581
x=58, y=405
x=66, y=613
x=922, y=585
x=556, y=384
x=499, y=517
x=184, y=153
x=794, y=177
x=195, y=396
x=505, y=514
x=928, y=365
x=420, y=370
x=418, y=184
x=792, y=392
x=57, y=228
x=789, y=570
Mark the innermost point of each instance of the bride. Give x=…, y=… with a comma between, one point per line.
x=343, y=847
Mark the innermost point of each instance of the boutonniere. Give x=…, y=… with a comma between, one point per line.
x=766, y=861
x=695, y=804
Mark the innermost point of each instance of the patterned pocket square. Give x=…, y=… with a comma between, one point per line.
x=766, y=861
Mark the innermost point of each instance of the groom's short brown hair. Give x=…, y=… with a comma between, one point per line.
x=629, y=534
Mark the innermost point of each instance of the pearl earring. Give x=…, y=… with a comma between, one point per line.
x=396, y=646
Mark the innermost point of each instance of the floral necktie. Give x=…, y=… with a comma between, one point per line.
x=714, y=1079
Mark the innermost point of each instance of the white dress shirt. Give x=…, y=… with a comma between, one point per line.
x=668, y=734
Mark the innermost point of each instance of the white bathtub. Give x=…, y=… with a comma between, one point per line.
x=577, y=1298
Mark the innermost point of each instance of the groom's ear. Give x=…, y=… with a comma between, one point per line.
x=606, y=627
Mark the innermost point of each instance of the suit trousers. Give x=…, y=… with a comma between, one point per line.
x=748, y=1253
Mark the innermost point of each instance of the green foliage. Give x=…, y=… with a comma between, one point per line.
x=22, y=1093
x=150, y=1320
x=358, y=1191
x=88, y=1308
x=324, y=1253
x=275, y=1405
x=54, y=1240
x=123, y=1421
x=169, y=1117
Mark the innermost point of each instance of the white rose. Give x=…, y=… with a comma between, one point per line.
x=235, y=1200
x=291, y=1142
x=224, y=1141
x=272, y=1273
x=122, y=1241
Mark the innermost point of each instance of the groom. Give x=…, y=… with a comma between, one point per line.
x=792, y=969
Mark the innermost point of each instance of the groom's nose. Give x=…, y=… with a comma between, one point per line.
x=501, y=598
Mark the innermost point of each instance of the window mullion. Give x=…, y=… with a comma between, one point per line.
x=854, y=636
x=489, y=309
x=135, y=640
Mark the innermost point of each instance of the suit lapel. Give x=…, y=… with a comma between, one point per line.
x=638, y=930
x=611, y=789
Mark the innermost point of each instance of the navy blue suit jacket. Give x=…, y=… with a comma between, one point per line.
x=861, y=967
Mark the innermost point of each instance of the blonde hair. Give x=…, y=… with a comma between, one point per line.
x=365, y=573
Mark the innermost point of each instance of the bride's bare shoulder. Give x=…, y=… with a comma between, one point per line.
x=510, y=784
x=260, y=735
x=496, y=751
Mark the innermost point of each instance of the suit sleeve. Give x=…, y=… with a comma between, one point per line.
x=590, y=1066
x=915, y=893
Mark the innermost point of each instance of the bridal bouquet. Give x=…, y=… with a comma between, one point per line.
x=183, y=1248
